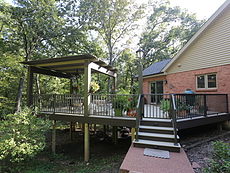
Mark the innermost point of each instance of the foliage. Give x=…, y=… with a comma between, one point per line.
x=181, y=105
x=127, y=64
x=132, y=102
x=165, y=105
x=21, y=136
x=94, y=87
x=51, y=85
x=220, y=158
x=10, y=71
x=34, y=30
x=111, y=20
x=121, y=99
x=167, y=30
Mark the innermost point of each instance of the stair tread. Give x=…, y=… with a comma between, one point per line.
x=157, y=120
x=156, y=127
x=148, y=142
x=156, y=135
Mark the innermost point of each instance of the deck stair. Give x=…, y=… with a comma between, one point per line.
x=158, y=134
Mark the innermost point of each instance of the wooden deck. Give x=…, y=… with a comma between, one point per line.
x=184, y=123
x=201, y=109
x=202, y=120
x=95, y=119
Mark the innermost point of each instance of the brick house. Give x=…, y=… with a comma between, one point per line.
x=203, y=64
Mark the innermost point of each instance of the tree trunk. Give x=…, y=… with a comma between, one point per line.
x=38, y=84
x=19, y=94
x=110, y=63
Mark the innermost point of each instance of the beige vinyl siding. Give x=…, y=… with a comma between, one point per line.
x=211, y=49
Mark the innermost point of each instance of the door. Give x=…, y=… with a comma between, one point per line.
x=156, y=87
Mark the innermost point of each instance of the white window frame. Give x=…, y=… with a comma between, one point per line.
x=206, y=81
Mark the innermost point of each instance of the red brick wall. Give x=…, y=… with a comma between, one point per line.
x=183, y=80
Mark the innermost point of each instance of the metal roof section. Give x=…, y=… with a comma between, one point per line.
x=156, y=68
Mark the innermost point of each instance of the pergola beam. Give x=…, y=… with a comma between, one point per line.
x=101, y=69
x=50, y=73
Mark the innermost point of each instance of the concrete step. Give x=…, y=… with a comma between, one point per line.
x=156, y=122
x=157, y=137
x=169, y=146
x=156, y=129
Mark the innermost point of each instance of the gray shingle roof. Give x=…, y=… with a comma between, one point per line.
x=156, y=68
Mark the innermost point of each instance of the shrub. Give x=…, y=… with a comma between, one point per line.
x=21, y=136
x=165, y=105
x=220, y=158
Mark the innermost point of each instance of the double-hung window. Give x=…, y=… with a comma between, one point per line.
x=206, y=81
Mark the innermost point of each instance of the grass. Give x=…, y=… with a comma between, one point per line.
x=47, y=163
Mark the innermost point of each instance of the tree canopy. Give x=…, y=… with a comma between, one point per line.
x=167, y=30
x=32, y=30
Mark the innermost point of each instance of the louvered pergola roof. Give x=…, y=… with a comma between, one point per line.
x=69, y=66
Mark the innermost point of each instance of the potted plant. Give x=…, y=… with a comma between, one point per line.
x=119, y=102
x=130, y=107
x=165, y=106
x=182, y=108
x=93, y=87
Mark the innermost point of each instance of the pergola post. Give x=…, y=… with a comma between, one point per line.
x=87, y=79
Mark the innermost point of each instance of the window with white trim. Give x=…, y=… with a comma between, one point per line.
x=206, y=81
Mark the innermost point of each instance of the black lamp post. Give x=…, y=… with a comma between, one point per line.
x=140, y=55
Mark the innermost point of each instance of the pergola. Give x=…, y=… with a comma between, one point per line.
x=68, y=67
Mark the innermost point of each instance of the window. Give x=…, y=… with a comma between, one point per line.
x=207, y=81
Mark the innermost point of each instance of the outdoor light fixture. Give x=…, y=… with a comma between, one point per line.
x=140, y=53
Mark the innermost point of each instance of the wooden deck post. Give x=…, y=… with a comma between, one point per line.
x=71, y=125
x=114, y=135
x=104, y=131
x=219, y=126
x=87, y=79
x=86, y=142
x=54, y=137
x=133, y=130
x=95, y=128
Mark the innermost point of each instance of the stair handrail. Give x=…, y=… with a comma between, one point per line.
x=138, y=114
x=174, y=118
